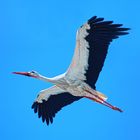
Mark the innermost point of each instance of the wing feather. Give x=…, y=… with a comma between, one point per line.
x=50, y=101
x=92, y=42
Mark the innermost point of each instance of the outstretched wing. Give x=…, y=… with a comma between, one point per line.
x=50, y=101
x=92, y=42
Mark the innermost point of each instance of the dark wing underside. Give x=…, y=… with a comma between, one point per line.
x=48, y=109
x=100, y=34
x=92, y=42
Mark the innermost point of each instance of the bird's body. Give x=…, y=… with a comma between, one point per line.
x=75, y=87
x=92, y=42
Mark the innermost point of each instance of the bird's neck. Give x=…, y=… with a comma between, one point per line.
x=55, y=80
x=46, y=79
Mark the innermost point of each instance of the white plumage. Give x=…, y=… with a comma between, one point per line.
x=92, y=42
x=79, y=62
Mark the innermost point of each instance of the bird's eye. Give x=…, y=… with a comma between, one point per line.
x=32, y=71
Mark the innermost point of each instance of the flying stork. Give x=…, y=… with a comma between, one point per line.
x=92, y=42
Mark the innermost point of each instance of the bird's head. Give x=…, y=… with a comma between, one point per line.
x=33, y=74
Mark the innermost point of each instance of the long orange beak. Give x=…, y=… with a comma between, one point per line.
x=22, y=73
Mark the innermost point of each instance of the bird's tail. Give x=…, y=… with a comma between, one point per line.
x=101, y=95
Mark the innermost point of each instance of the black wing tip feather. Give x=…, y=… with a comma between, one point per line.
x=101, y=24
x=40, y=108
x=100, y=34
x=47, y=109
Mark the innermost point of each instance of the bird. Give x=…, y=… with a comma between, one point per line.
x=93, y=39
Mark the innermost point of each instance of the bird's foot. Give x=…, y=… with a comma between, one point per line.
x=116, y=108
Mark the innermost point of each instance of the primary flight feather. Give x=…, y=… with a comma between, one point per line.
x=92, y=42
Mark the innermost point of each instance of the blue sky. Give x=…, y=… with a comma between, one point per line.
x=40, y=35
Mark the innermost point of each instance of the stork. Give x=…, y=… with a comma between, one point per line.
x=92, y=42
